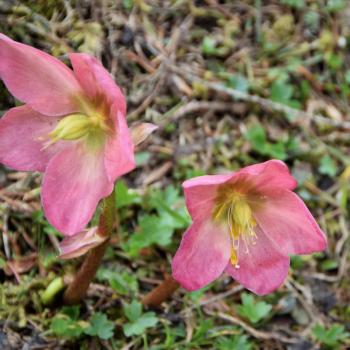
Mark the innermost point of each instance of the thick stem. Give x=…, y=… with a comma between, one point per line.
x=162, y=292
x=77, y=289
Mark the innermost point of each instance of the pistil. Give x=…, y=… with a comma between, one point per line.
x=233, y=210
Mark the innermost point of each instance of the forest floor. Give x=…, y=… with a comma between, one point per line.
x=230, y=83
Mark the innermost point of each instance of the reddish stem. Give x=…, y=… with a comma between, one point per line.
x=162, y=292
x=77, y=289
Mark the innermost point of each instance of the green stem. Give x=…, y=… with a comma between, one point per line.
x=54, y=287
x=77, y=289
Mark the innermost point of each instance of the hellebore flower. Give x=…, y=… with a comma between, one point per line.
x=72, y=127
x=245, y=223
x=80, y=243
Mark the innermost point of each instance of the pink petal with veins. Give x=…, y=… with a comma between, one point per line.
x=75, y=181
x=22, y=139
x=80, y=243
x=202, y=255
x=38, y=79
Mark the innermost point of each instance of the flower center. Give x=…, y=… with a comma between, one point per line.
x=77, y=126
x=233, y=209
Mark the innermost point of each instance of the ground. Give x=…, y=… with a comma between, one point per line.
x=229, y=83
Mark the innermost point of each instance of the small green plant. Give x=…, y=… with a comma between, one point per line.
x=332, y=336
x=67, y=324
x=100, y=326
x=256, y=135
x=64, y=326
x=163, y=214
x=238, y=82
x=239, y=342
x=126, y=196
x=210, y=47
x=282, y=92
x=253, y=310
x=138, y=321
x=298, y=4
x=327, y=166
x=335, y=5
x=121, y=281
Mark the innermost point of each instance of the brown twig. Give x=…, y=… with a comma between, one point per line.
x=252, y=331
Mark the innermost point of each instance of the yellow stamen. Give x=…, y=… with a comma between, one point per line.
x=233, y=209
x=76, y=126
x=72, y=127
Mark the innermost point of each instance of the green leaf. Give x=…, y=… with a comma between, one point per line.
x=159, y=228
x=128, y=4
x=276, y=150
x=329, y=264
x=327, y=166
x=169, y=203
x=139, y=322
x=334, y=61
x=347, y=76
x=331, y=336
x=252, y=310
x=156, y=228
x=152, y=230
x=63, y=326
x=239, y=342
x=335, y=5
x=133, y=311
x=298, y=4
x=142, y=158
x=122, y=282
x=125, y=196
x=281, y=91
x=209, y=46
x=312, y=20
x=100, y=326
x=2, y=263
x=202, y=329
x=238, y=82
x=72, y=312
x=257, y=137
x=147, y=320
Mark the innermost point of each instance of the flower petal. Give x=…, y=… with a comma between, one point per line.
x=20, y=146
x=207, y=180
x=140, y=132
x=263, y=268
x=273, y=173
x=200, y=193
x=80, y=243
x=202, y=256
x=96, y=80
x=119, y=150
x=75, y=180
x=38, y=79
x=287, y=221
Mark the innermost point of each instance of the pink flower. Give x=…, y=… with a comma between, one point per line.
x=72, y=127
x=246, y=223
x=80, y=243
